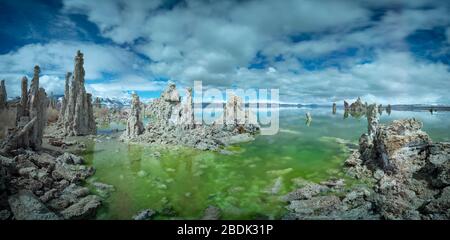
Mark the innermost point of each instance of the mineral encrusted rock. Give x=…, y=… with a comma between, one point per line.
x=357, y=106
x=135, y=126
x=40, y=186
x=409, y=178
x=26, y=206
x=64, y=98
x=171, y=94
x=410, y=175
x=187, y=111
x=78, y=114
x=346, y=106
x=308, y=119
x=171, y=122
x=380, y=109
x=388, y=109
x=146, y=214
x=3, y=96
x=31, y=118
x=234, y=112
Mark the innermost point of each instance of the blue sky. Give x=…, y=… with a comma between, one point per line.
x=312, y=51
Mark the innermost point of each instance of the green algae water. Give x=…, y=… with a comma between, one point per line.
x=181, y=183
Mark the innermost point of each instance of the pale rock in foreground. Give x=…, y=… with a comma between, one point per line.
x=410, y=176
x=26, y=206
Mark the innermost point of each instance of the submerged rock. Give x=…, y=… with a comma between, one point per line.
x=212, y=213
x=407, y=177
x=172, y=123
x=146, y=214
x=82, y=209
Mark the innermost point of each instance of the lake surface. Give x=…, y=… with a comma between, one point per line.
x=182, y=182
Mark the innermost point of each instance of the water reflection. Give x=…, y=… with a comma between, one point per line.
x=242, y=184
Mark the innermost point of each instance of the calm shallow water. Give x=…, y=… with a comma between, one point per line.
x=185, y=181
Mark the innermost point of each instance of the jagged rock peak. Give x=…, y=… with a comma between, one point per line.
x=187, y=112
x=135, y=126
x=34, y=87
x=372, y=120
x=31, y=117
x=64, y=99
x=171, y=93
x=234, y=111
x=78, y=112
x=22, y=107
x=3, y=95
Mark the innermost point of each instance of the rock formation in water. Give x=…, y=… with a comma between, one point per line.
x=171, y=121
x=358, y=106
x=380, y=109
x=409, y=178
x=308, y=119
x=388, y=109
x=78, y=118
x=171, y=94
x=3, y=96
x=234, y=111
x=346, y=106
x=334, y=108
x=135, y=126
x=22, y=107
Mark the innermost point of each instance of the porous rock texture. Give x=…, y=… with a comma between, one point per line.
x=3, y=96
x=40, y=186
x=171, y=122
x=31, y=118
x=135, y=126
x=78, y=118
x=403, y=175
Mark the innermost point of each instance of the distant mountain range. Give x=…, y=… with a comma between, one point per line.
x=125, y=101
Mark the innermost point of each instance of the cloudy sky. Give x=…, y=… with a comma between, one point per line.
x=312, y=51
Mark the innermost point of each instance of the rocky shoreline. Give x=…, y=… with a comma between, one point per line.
x=38, y=183
x=402, y=174
x=46, y=186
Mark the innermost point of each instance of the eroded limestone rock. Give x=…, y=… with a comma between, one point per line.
x=26, y=206
x=135, y=126
x=3, y=96
x=172, y=122
x=31, y=117
x=78, y=116
x=64, y=98
x=187, y=112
